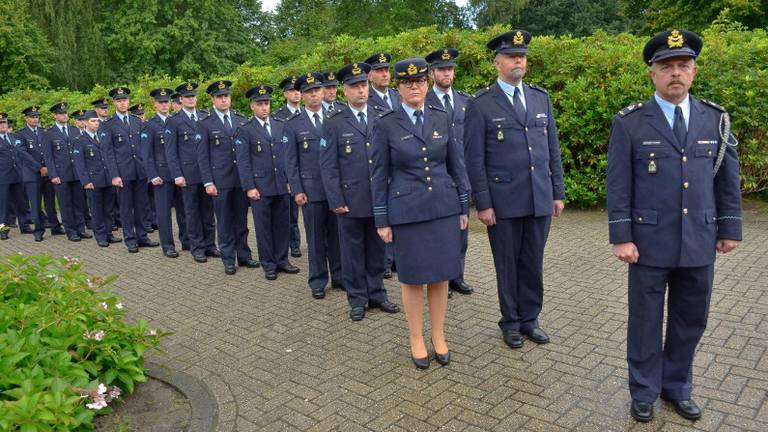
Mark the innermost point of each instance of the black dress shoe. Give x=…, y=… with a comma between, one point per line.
x=59, y=230
x=102, y=243
x=461, y=288
x=251, y=263
x=319, y=294
x=443, y=359
x=200, y=258
x=296, y=253
x=641, y=411
x=337, y=285
x=26, y=229
x=170, y=253
x=357, y=313
x=114, y=228
x=185, y=247
x=230, y=269
x=387, y=274
x=288, y=268
x=113, y=239
x=687, y=409
x=133, y=249
x=270, y=275
x=421, y=363
x=74, y=238
x=85, y=235
x=386, y=306
x=149, y=243
x=513, y=339
x=213, y=253
x=3, y=235
x=149, y=230
x=11, y=225
x=38, y=236
x=537, y=335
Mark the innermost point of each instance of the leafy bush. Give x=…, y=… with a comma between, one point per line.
x=65, y=348
x=589, y=80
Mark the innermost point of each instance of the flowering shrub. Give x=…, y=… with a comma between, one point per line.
x=66, y=351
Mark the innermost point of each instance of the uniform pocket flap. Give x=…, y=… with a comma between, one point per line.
x=645, y=216
x=397, y=192
x=710, y=216
x=307, y=175
x=705, y=151
x=651, y=153
x=500, y=178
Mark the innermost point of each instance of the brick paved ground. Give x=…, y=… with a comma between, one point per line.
x=278, y=360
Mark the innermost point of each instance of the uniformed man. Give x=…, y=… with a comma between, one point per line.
x=381, y=99
x=344, y=163
x=176, y=105
x=137, y=110
x=303, y=136
x=57, y=152
x=165, y=193
x=217, y=158
x=37, y=184
x=120, y=139
x=330, y=90
x=79, y=119
x=514, y=166
x=674, y=199
x=10, y=171
x=181, y=153
x=101, y=107
x=292, y=107
x=91, y=167
x=442, y=71
x=261, y=165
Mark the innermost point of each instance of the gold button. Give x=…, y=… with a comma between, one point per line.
x=429, y=178
x=709, y=153
x=425, y=159
x=429, y=188
x=685, y=158
x=275, y=169
x=652, y=155
x=685, y=185
x=370, y=161
x=426, y=168
x=640, y=219
x=423, y=149
x=497, y=179
x=526, y=129
x=532, y=168
x=367, y=144
x=397, y=193
x=530, y=148
x=685, y=211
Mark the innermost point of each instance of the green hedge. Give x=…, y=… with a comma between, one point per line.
x=589, y=80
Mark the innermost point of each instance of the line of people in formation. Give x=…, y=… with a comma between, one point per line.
x=384, y=180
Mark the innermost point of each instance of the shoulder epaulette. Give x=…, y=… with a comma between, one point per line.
x=482, y=92
x=385, y=113
x=135, y=116
x=630, y=109
x=541, y=89
x=332, y=114
x=462, y=93
x=436, y=108
x=714, y=105
x=274, y=117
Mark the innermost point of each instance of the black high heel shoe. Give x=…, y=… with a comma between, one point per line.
x=443, y=359
x=421, y=363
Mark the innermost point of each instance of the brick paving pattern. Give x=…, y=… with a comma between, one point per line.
x=277, y=360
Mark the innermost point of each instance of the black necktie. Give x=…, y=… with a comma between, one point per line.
x=330, y=106
x=386, y=101
x=679, y=128
x=64, y=131
x=266, y=128
x=361, y=116
x=96, y=138
x=316, y=117
x=227, y=124
x=419, y=122
x=518, y=106
x=125, y=121
x=192, y=116
x=6, y=139
x=448, y=106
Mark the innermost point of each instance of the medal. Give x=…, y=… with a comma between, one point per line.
x=500, y=135
x=348, y=149
x=258, y=148
x=306, y=145
x=652, y=167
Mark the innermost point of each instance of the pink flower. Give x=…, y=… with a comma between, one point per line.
x=94, y=335
x=119, y=305
x=104, y=305
x=102, y=389
x=114, y=393
x=98, y=403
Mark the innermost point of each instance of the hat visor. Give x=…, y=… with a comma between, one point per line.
x=163, y=99
x=119, y=97
x=188, y=93
x=664, y=54
x=379, y=66
x=220, y=92
x=257, y=98
x=442, y=64
x=330, y=83
x=356, y=79
x=311, y=86
x=410, y=77
x=512, y=50
x=32, y=114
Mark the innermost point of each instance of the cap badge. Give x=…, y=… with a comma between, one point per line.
x=222, y=85
x=518, y=38
x=262, y=90
x=675, y=39
x=190, y=87
x=310, y=78
x=382, y=58
x=163, y=93
x=120, y=91
x=412, y=70
x=446, y=55
x=356, y=69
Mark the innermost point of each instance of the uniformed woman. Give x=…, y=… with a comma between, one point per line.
x=419, y=190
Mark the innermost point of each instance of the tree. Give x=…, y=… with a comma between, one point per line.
x=24, y=50
x=657, y=15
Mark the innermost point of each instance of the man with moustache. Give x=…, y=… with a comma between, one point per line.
x=344, y=163
x=261, y=165
x=181, y=153
x=216, y=155
x=303, y=136
x=515, y=170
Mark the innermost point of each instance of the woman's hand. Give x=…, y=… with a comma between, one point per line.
x=385, y=234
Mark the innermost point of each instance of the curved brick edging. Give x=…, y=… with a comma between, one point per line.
x=205, y=410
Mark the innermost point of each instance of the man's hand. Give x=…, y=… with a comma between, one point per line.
x=180, y=182
x=626, y=252
x=56, y=180
x=725, y=246
x=211, y=190
x=487, y=216
x=463, y=222
x=341, y=210
x=157, y=181
x=117, y=181
x=253, y=194
x=43, y=172
x=557, y=208
x=300, y=198
x=89, y=186
x=385, y=234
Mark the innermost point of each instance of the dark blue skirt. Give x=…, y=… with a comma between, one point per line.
x=429, y=251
